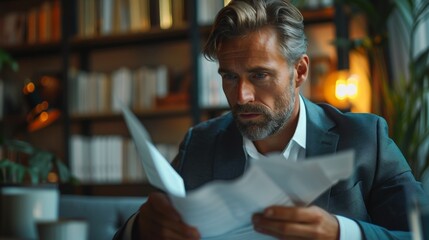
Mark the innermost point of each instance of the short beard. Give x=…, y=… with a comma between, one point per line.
x=271, y=123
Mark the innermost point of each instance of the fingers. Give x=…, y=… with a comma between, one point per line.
x=174, y=231
x=296, y=214
x=296, y=223
x=157, y=219
x=160, y=203
x=280, y=229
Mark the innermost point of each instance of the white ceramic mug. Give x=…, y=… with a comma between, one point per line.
x=21, y=207
x=63, y=229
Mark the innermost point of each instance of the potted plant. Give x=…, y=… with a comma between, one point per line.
x=23, y=163
x=28, y=177
x=28, y=190
x=403, y=102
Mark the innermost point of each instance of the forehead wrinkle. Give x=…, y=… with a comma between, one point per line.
x=256, y=43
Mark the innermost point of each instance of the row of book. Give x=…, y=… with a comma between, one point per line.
x=38, y=24
x=106, y=17
x=114, y=159
x=95, y=92
x=42, y=23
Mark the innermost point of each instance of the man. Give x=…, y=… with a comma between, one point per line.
x=261, y=49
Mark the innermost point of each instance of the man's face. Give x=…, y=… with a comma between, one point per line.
x=258, y=83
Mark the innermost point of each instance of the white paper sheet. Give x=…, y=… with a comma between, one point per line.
x=222, y=209
x=158, y=170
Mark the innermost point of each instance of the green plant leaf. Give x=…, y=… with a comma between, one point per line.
x=42, y=162
x=420, y=66
x=5, y=58
x=421, y=14
x=11, y=172
x=63, y=171
x=19, y=146
x=422, y=9
x=406, y=11
x=34, y=175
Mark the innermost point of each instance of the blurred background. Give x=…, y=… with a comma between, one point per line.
x=64, y=63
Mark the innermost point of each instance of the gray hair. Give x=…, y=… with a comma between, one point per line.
x=241, y=17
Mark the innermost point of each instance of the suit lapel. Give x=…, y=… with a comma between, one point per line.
x=230, y=159
x=320, y=141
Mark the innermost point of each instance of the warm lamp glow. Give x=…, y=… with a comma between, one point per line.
x=344, y=89
x=29, y=88
x=41, y=113
x=44, y=116
x=43, y=119
x=341, y=89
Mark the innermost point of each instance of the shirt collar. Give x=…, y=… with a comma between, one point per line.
x=299, y=137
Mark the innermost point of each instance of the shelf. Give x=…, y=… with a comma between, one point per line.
x=165, y=112
x=154, y=36
x=115, y=40
x=108, y=189
x=318, y=15
x=33, y=49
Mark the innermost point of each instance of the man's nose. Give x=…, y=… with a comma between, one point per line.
x=245, y=92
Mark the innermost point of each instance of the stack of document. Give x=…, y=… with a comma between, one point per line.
x=222, y=209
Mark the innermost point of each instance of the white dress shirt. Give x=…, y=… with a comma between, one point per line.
x=294, y=151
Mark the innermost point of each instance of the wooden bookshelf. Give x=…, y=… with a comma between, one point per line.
x=73, y=47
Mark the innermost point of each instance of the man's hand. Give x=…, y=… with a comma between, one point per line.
x=296, y=223
x=157, y=219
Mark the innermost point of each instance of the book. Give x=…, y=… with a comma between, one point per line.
x=106, y=17
x=165, y=14
x=139, y=15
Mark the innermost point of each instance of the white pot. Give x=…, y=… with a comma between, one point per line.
x=22, y=206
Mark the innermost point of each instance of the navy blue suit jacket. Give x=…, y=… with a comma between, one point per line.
x=374, y=195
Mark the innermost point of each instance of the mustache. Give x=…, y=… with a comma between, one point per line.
x=255, y=108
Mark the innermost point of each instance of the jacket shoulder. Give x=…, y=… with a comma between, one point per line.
x=350, y=119
x=214, y=125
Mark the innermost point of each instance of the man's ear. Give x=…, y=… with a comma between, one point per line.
x=302, y=70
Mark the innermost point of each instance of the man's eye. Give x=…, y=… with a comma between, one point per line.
x=228, y=76
x=259, y=76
